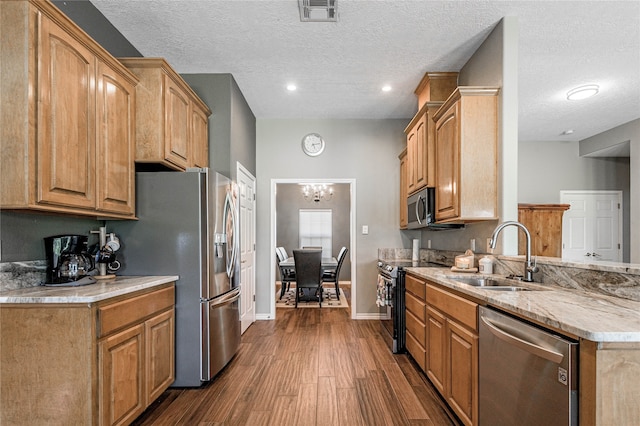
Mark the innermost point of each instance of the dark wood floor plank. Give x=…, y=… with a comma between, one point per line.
x=404, y=392
x=308, y=367
x=327, y=411
x=307, y=404
x=349, y=412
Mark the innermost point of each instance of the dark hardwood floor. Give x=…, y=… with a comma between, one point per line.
x=308, y=367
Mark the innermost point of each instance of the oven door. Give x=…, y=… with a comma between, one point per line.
x=388, y=312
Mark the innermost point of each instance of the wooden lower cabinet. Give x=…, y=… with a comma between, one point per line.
x=436, y=324
x=97, y=363
x=462, y=380
x=450, y=332
x=415, y=320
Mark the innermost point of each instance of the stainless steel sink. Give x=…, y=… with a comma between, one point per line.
x=492, y=284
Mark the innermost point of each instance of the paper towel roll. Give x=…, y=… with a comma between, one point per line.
x=416, y=250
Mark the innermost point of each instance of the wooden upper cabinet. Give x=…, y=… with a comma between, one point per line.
x=171, y=120
x=421, y=160
x=199, y=137
x=467, y=155
x=115, y=142
x=67, y=120
x=433, y=89
x=544, y=222
x=404, y=217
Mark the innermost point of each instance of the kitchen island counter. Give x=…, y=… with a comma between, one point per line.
x=580, y=314
x=91, y=293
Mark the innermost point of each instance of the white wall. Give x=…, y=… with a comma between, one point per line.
x=364, y=150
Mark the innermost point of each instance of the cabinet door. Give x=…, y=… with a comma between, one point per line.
x=412, y=141
x=462, y=380
x=436, y=348
x=176, y=136
x=160, y=354
x=199, y=137
x=420, y=154
x=115, y=142
x=403, y=191
x=448, y=158
x=121, y=376
x=66, y=108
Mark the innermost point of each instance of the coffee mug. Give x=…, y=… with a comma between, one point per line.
x=113, y=242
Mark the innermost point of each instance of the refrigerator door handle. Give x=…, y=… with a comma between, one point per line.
x=522, y=344
x=227, y=299
x=228, y=208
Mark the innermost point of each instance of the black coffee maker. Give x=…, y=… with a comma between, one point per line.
x=68, y=262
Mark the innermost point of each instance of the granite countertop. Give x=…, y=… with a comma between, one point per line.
x=84, y=294
x=591, y=316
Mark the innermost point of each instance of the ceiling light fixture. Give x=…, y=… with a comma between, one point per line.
x=567, y=132
x=386, y=88
x=291, y=87
x=583, y=92
x=316, y=192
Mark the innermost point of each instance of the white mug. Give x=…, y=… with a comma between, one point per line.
x=113, y=242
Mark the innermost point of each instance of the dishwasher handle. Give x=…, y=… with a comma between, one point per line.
x=522, y=344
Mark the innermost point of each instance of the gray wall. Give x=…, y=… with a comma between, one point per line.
x=564, y=169
x=232, y=125
x=494, y=63
x=93, y=22
x=289, y=201
x=21, y=234
x=364, y=150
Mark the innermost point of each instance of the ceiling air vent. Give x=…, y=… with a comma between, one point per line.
x=318, y=10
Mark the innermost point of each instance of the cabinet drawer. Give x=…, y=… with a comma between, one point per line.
x=416, y=328
x=417, y=351
x=462, y=310
x=415, y=286
x=135, y=309
x=415, y=306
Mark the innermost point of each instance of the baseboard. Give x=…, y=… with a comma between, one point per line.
x=263, y=317
x=369, y=316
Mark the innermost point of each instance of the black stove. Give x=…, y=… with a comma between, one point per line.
x=391, y=299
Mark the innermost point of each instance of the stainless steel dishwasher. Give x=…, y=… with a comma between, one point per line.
x=528, y=376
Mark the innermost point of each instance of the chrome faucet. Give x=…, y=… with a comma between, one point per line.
x=529, y=267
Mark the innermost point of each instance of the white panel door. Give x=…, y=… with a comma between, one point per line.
x=247, y=184
x=591, y=228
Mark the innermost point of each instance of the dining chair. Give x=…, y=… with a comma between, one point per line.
x=287, y=275
x=308, y=274
x=333, y=275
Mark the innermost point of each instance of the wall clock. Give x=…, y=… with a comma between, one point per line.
x=313, y=144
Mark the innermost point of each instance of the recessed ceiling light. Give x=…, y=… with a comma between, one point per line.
x=583, y=92
x=291, y=87
x=386, y=88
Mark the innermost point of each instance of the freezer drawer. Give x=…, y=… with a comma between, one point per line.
x=528, y=376
x=220, y=332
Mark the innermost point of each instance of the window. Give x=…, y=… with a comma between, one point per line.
x=315, y=229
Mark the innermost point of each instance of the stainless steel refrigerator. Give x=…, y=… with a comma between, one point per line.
x=188, y=226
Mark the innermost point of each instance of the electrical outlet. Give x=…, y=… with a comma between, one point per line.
x=428, y=243
x=365, y=229
x=472, y=244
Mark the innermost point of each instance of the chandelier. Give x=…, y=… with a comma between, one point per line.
x=316, y=192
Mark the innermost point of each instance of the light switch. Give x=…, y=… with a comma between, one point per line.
x=365, y=229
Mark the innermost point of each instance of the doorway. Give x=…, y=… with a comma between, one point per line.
x=592, y=227
x=285, y=223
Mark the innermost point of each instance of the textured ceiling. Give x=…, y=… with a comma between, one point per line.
x=339, y=67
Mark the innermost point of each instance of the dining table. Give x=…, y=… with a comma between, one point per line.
x=326, y=263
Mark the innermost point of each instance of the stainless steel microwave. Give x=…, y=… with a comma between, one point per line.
x=421, y=211
x=420, y=207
